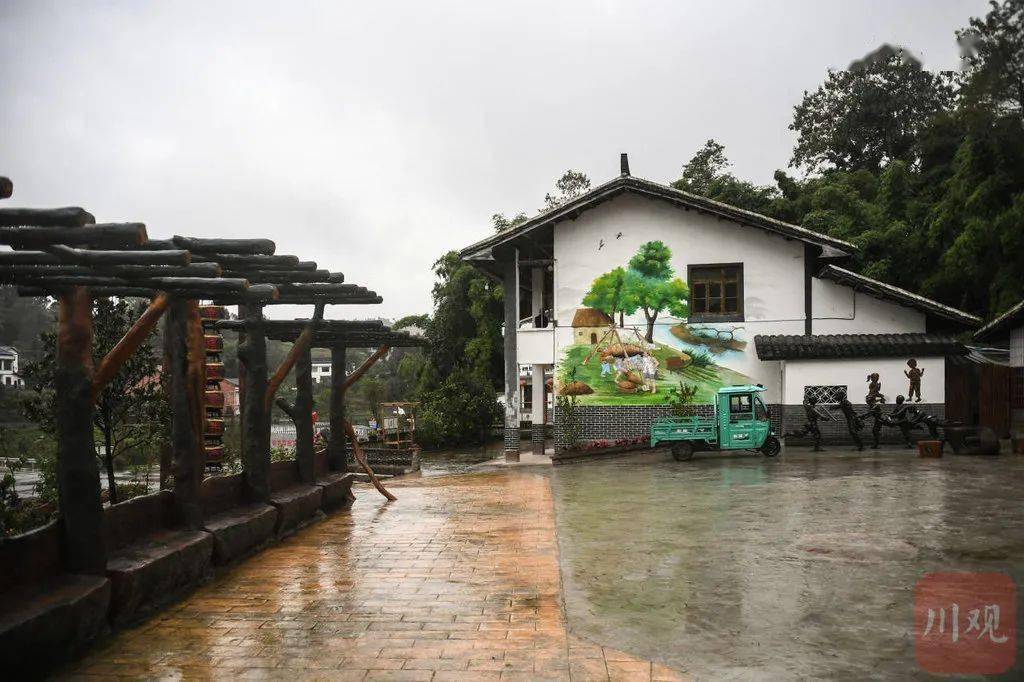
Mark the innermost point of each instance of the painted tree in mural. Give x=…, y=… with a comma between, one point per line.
x=646, y=284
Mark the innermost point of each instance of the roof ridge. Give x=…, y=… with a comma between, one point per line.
x=950, y=310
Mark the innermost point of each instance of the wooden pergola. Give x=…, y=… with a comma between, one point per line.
x=64, y=253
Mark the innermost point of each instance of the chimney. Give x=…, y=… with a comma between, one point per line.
x=624, y=163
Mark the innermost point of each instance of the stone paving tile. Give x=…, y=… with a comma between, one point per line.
x=458, y=580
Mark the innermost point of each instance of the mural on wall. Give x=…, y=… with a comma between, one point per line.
x=612, y=363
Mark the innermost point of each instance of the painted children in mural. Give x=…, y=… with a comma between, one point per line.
x=914, y=374
x=853, y=420
x=811, y=427
x=606, y=365
x=874, y=390
x=649, y=366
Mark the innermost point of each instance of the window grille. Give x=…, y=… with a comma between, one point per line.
x=826, y=395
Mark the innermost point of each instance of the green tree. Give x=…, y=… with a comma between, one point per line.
x=607, y=294
x=994, y=56
x=572, y=184
x=863, y=117
x=706, y=174
x=131, y=414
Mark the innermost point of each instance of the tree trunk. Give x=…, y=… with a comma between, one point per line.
x=650, y=325
x=108, y=456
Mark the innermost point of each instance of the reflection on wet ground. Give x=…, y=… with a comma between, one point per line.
x=458, y=460
x=802, y=566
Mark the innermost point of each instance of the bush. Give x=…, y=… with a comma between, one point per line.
x=461, y=411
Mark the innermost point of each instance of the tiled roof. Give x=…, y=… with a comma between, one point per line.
x=889, y=292
x=1000, y=326
x=635, y=185
x=841, y=346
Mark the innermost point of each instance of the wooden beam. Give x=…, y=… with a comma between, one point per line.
x=300, y=346
x=363, y=368
x=257, y=293
x=232, y=261
x=71, y=216
x=199, y=285
x=128, y=344
x=243, y=247
x=109, y=234
x=14, y=272
x=357, y=452
x=281, y=276
x=78, y=476
x=57, y=255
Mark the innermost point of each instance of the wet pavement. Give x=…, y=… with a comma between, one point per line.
x=733, y=567
x=799, y=567
x=457, y=580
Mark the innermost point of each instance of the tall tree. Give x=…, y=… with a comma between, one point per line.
x=865, y=116
x=572, y=184
x=994, y=54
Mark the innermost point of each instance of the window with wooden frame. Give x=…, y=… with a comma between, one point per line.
x=716, y=292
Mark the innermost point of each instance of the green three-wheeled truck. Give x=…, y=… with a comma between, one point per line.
x=740, y=422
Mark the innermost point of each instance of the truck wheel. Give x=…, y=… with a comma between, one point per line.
x=682, y=452
x=771, y=447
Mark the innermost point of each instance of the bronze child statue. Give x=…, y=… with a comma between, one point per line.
x=914, y=374
x=853, y=421
x=811, y=427
x=874, y=390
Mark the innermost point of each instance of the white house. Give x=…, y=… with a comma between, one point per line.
x=321, y=370
x=9, y=367
x=764, y=302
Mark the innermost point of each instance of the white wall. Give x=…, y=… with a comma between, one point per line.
x=535, y=346
x=772, y=268
x=838, y=309
x=853, y=374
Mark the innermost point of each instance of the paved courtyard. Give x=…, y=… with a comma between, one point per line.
x=725, y=567
x=457, y=580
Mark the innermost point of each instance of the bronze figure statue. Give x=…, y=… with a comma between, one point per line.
x=914, y=374
x=874, y=390
x=854, y=424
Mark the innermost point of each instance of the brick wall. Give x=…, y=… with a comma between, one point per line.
x=629, y=421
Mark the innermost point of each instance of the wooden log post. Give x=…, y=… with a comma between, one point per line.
x=337, y=457
x=301, y=413
x=252, y=356
x=78, y=476
x=186, y=439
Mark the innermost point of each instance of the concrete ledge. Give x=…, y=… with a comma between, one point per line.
x=149, y=573
x=240, y=531
x=337, y=491
x=295, y=505
x=577, y=456
x=52, y=620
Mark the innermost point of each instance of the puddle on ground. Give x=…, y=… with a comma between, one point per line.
x=804, y=566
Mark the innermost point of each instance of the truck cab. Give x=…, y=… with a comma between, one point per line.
x=740, y=422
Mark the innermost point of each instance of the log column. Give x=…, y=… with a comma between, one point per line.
x=336, y=453
x=78, y=476
x=185, y=367
x=303, y=416
x=252, y=356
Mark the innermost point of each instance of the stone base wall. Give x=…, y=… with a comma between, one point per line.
x=611, y=422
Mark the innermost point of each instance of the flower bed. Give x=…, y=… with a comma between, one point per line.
x=601, y=447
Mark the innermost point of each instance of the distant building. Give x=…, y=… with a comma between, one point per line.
x=229, y=387
x=9, y=367
x=1008, y=330
x=321, y=370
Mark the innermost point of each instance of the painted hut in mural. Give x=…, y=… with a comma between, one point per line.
x=589, y=326
x=717, y=296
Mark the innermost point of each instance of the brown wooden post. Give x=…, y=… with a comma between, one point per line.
x=185, y=439
x=78, y=476
x=337, y=457
x=252, y=356
x=304, y=415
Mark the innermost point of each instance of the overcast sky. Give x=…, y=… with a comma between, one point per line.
x=373, y=137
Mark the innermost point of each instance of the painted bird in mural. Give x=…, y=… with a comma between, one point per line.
x=618, y=236
x=600, y=245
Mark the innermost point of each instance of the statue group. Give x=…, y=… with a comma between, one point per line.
x=904, y=416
